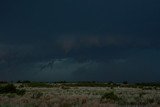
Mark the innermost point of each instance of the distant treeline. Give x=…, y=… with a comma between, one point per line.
x=87, y=84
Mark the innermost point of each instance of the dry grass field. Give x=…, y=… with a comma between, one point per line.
x=80, y=96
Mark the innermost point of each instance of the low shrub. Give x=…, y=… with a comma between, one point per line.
x=65, y=87
x=11, y=95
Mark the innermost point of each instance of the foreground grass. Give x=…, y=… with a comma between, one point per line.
x=65, y=95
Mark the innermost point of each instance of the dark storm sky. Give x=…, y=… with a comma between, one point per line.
x=80, y=40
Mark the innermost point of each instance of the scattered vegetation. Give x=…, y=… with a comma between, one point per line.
x=78, y=94
x=38, y=84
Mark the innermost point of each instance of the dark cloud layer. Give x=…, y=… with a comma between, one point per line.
x=80, y=40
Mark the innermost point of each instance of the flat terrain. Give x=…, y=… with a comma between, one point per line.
x=81, y=96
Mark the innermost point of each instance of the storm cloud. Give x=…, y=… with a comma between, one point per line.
x=83, y=40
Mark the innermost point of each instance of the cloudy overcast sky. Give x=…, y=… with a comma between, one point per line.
x=80, y=40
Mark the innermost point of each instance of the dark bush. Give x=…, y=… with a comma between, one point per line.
x=125, y=82
x=9, y=88
x=39, y=84
x=26, y=81
x=21, y=92
x=21, y=86
x=109, y=97
x=37, y=95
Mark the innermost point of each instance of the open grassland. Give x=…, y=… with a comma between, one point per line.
x=78, y=95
